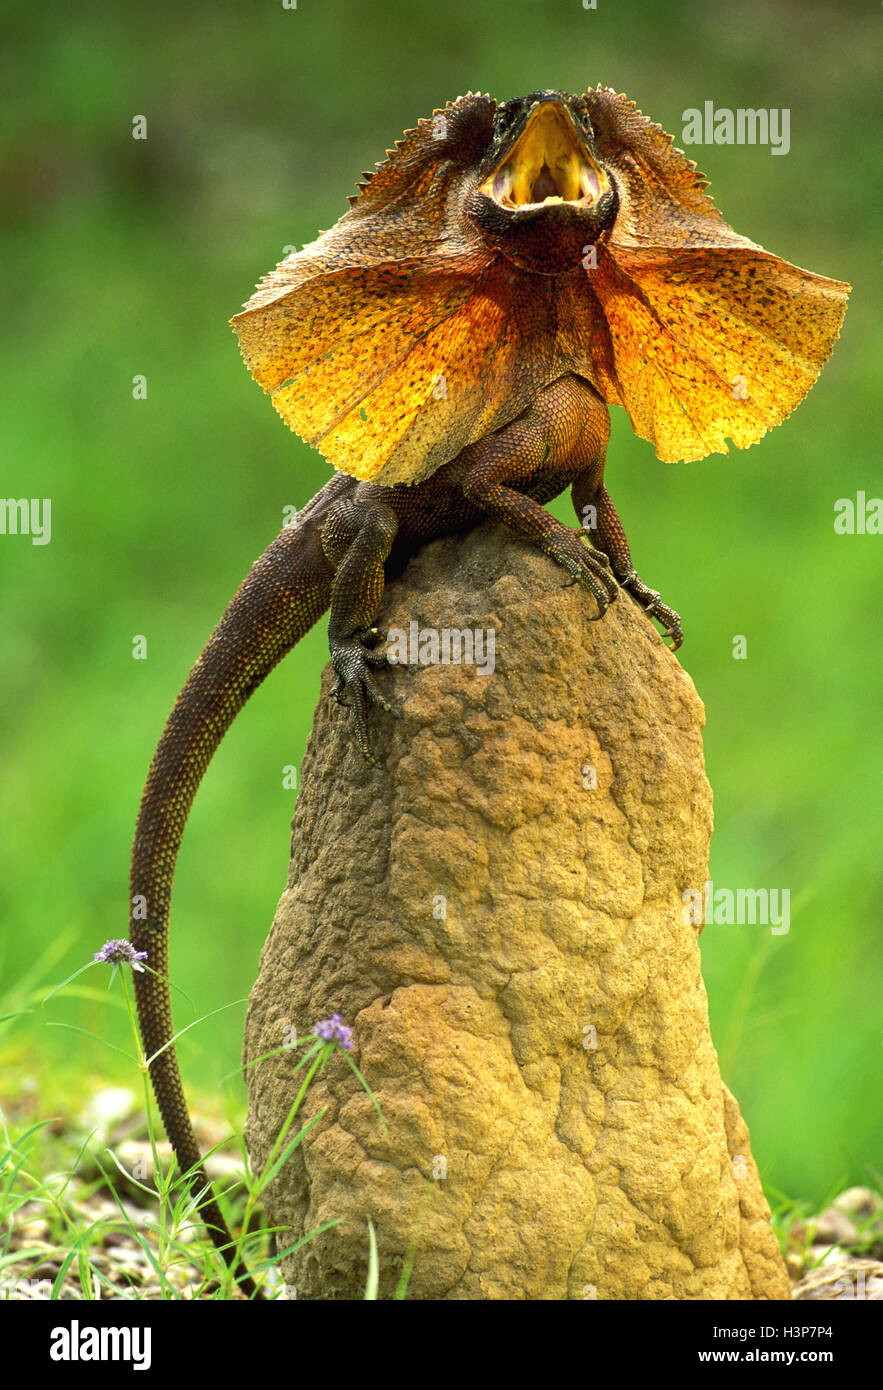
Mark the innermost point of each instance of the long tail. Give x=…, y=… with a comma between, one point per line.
x=285, y=593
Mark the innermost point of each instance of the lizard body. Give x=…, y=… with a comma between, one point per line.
x=542, y=259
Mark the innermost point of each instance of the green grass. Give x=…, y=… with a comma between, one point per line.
x=54, y=1174
x=128, y=257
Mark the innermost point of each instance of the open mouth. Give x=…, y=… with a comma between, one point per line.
x=547, y=164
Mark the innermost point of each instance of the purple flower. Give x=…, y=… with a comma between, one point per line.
x=120, y=953
x=333, y=1029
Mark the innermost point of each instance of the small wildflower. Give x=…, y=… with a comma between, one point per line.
x=333, y=1029
x=120, y=953
x=115, y=953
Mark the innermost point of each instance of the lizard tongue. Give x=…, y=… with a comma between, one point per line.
x=544, y=186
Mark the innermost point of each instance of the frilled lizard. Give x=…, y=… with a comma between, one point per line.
x=451, y=346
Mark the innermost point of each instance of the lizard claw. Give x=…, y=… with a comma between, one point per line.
x=368, y=636
x=351, y=660
x=587, y=566
x=654, y=608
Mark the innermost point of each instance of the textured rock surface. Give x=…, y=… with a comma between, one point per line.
x=508, y=941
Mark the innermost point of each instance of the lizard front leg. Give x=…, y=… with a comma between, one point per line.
x=357, y=538
x=521, y=453
x=608, y=535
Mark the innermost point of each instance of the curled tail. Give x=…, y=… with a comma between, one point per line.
x=285, y=593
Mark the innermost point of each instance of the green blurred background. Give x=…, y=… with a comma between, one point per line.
x=125, y=257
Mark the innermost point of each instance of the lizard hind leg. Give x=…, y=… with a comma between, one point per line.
x=357, y=538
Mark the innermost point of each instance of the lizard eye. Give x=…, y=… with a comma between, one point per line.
x=502, y=122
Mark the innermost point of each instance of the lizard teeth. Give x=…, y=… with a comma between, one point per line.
x=512, y=188
x=503, y=185
x=589, y=186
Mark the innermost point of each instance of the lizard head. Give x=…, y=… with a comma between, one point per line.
x=542, y=193
x=457, y=286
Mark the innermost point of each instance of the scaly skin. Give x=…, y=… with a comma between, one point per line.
x=553, y=254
